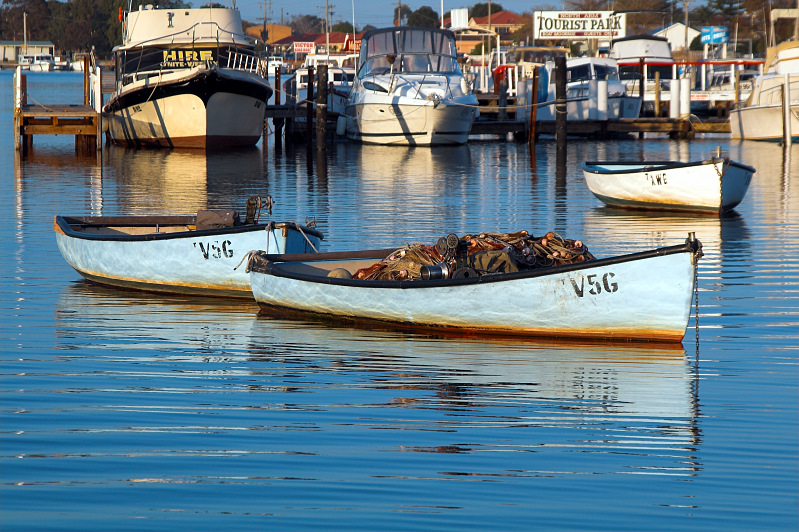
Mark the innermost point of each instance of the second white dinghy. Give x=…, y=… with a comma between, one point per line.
x=714, y=185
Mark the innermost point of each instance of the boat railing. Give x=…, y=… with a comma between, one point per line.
x=245, y=62
x=151, y=61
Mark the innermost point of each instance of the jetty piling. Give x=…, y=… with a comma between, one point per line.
x=321, y=108
x=560, y=103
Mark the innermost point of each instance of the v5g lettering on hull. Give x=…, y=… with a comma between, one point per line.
x=596, y=284
x=215, y=250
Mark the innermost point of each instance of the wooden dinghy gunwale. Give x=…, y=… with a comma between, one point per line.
x=601, y=167
x=262, y=262
x=72, y=226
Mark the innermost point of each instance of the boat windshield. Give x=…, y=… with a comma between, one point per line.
x=414, y=50
x=606, y=72
x=583, y=72
x=535, y=54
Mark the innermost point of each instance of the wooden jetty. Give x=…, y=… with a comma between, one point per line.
x=82, y=121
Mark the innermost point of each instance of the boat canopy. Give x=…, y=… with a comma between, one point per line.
x=408, y=49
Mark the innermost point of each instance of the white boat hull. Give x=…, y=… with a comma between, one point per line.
x=618, y=107
x=709, y=186
x=410, y=123
x=184, y=121
x=196, y=262
x=633, y=297
x=763, y=122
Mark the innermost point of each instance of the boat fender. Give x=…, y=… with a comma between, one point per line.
x=340, y=273
x=341, y=125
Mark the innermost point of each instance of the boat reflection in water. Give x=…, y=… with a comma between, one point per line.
x=634, y=404
x=623, y=229
x=184, y=181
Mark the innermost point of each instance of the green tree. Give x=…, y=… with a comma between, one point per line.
x=728, y=9
x=425, y=16
x=481, y=10
x=343, y=27
x=307, y=24
x=404, y=13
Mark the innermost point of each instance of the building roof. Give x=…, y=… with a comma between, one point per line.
x=22, y=43
x=336, y=37
x=500, y=18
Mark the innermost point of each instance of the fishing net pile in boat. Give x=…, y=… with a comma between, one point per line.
x=473, y=255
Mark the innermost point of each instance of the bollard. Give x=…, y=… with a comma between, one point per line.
x=602, y=100
x=593, y=99
x=685, y=98
x=674, y=98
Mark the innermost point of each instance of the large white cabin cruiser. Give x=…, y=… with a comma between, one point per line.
x=187, y=78
x=762, y=116
x=410, y=90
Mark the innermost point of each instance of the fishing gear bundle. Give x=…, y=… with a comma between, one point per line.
x=474, y=255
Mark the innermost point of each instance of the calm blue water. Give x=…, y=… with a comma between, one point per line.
x=127, y=411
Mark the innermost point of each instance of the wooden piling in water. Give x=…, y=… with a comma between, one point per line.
x=533, y=109
x=309, y=106
x=560, y=103
x=321, y=108
x=657, y=95
x=278, y=122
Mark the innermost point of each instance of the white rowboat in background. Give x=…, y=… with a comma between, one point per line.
x=714, y=185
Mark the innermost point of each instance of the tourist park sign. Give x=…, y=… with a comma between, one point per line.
x=714, y=35
x=579, y=25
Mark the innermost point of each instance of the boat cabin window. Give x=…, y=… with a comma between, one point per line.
x=578, y=73
x=341, y=77
x=370, y=85
x=605, y=72
x=539, y=55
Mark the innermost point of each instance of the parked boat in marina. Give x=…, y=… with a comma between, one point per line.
x=605, y=298
x=185, y=254
x=187, y=78
x=713, y=185
x=763, y=116
x=409, y=89
x=340, y=75
x=582, y=77
x=37, y=62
